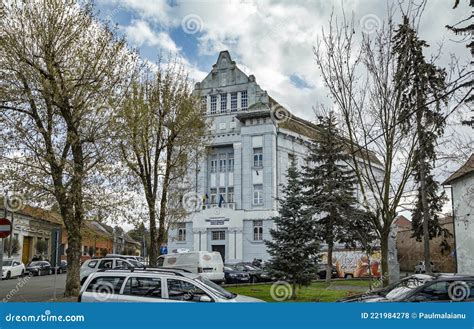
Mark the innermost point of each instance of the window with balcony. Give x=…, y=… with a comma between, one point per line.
x=213, y=104
x=230, y=194
x=258, y=194
x=213, y=196
x=258, y=230
x=223, y=103
x=243, y=100
x=233, y=102
x=258, y=157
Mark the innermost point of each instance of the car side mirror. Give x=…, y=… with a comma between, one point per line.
x=205, y=298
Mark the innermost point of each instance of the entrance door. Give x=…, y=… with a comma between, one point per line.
x=25, y=253
x=220, y=249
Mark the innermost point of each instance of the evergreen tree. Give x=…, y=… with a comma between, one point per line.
x=422, y=84
x=330, y=189
x=294, y=247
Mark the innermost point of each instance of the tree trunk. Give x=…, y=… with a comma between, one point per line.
x=73, y=257
x=154, y=244
x=384, y=251
x=329, y=264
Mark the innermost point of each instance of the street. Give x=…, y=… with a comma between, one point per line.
x=32, y=289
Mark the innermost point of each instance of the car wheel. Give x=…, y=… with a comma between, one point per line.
x=8, y=275
x=22, y=273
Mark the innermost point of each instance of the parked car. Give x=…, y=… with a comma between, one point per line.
x=106, y=263
x=233, y=275
x=154, y=285
x=40, y=267
x=421, y=268
x=12, y=268
x=206, y=263
x=421, y=288
x=321, y=271
x=62, y=268
x=256, y=274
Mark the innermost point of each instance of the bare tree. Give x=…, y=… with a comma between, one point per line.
x=61, y=72
x=161, y=131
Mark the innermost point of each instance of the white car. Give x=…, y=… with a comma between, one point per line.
x=12, y=268
x=154, y=286
x=421, y=268
x=101, y=264
x=205, y=263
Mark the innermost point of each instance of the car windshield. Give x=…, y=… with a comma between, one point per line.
x=228, y=268
x=35, y=263
x=251, y=268
x=7, y=263
x=402, y=288
x=217, y=289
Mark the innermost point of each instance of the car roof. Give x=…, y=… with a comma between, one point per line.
x=146, y=273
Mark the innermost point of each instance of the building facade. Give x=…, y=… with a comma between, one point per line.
x=253, y=141
x=462, y=189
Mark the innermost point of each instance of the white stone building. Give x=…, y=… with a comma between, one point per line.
x=462, y=195
x=253, y=141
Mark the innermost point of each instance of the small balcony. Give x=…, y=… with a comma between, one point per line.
x=228, y=205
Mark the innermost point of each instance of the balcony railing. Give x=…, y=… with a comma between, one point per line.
x=228, y=205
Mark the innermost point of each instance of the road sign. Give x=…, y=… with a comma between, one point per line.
x=5, y=228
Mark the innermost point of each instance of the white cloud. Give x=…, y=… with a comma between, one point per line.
x=140, y=33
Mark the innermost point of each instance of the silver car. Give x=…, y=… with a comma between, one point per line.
x=154, y=285
x=101, y=264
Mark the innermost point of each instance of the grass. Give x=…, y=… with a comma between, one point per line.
x=316, y=292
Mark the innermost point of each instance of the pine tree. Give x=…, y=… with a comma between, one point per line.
x=294, y=247
x=422, y=84
x=330, y=189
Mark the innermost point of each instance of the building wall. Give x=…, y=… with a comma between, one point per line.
x=463, y=210
x=410, y=252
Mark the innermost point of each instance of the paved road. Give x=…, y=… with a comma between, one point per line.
x=32, y=289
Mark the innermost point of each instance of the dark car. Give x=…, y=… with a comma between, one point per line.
x=233, y=275
x=256, y=274
x=422, y=288
x=40, y=267
x=321, y=271
x=62, y=268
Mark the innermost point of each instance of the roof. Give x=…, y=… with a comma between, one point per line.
x=402, y=221
x=36, y=213
x=465, y=169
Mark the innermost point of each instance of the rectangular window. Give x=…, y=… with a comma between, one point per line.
x=204, y=104
x=258, y=157
x=243, y=100
x=218, y=235
x=222, y=162
x=231, y=162
x=181, y=231
x=213, y=104
x=223, y=103
x=111, y=284
x=143, y=287
x=258, y=194
x=233, y=102
x=230, y=194
x=213, y=196
x=258, y=230
x=291, y=158
x=221, y=193
x=214, y=163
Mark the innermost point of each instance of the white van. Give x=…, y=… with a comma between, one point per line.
x=206, y=263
